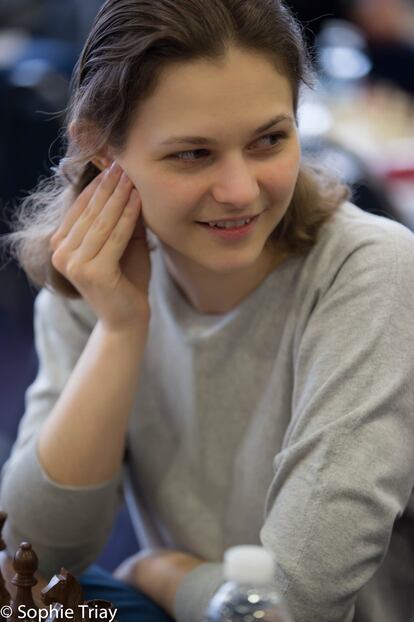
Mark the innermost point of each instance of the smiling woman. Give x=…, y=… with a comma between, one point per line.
x=247, y=382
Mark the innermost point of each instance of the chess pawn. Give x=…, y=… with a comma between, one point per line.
x=25, y=564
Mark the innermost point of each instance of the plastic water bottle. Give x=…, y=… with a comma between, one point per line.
x=248, y=594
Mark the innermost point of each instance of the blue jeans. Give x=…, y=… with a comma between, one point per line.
x=131, y=605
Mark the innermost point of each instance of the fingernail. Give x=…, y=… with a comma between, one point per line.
x=114, y=168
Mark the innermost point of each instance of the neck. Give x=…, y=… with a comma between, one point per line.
x=218, y=293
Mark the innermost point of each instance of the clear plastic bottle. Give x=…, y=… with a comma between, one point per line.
x=248, y=594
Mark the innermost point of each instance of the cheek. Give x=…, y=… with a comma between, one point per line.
x=166, y=201
x=281, y=179
x=158, y=191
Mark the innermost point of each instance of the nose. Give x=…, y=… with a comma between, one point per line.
x=235, y=183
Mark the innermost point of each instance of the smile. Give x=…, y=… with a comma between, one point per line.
x=230, y=224
x=230, y=229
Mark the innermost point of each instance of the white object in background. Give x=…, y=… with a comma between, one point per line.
x=248, y=593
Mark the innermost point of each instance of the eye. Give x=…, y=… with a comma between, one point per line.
x=277, y=137
x=183, y=155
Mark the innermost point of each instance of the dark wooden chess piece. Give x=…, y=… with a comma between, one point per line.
x=65, y=589
x=25, y=564
x=4, y=594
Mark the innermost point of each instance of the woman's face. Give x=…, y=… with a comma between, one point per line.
x=215, y=142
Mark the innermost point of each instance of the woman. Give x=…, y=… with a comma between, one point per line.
x=254, y=371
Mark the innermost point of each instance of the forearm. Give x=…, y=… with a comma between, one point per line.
x=82, y=441
x=160, y=577
x=158, y=574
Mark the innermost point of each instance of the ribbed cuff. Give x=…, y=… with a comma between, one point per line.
x=196, y=591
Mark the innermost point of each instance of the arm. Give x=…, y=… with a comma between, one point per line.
x=60, y=489
x=345, y=473
x=90, y=418
x=97, y=247
x=67, y=525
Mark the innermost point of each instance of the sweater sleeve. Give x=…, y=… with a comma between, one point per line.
x=67, y=525
x=345, y=472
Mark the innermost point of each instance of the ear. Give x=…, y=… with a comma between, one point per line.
x=103, y=159
x=101, y=162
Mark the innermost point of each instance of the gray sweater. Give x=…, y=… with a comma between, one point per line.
x=287, y=422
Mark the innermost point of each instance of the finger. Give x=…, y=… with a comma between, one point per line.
x=112, y=192
x=103, y=191
x=122, y=233
x=86, y=202
x=108, y=185
x=103, y=225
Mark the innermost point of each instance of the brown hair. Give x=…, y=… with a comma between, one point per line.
x=131, y=42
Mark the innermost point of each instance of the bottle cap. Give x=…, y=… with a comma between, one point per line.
x=249, y=564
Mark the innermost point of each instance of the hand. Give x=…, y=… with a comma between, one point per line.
x=126, y=570
x=157, y=573
x=101, y=248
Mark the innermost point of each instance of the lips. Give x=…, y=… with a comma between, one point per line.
x=221, y=220
x=224, y=225
x=230, y=234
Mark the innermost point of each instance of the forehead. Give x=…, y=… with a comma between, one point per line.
x=243, y=88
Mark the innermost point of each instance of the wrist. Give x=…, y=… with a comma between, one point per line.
x=128, y=333
x=160, y=573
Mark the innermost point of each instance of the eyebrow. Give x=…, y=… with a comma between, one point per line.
x=201, y=140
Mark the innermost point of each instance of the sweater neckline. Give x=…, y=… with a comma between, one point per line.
x=186, y=315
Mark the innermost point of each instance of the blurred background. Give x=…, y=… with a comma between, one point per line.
x=358, y=120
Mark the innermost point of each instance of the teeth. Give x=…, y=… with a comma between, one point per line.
x=230, y=224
